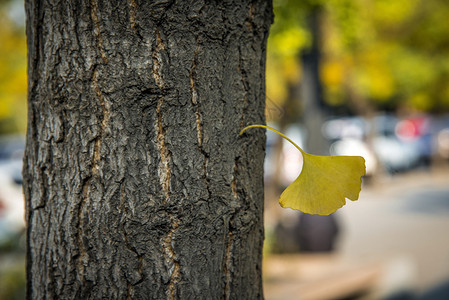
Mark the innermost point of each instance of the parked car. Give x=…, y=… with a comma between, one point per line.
x=384, y=141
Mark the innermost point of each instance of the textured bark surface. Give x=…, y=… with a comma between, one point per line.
x=137, y=183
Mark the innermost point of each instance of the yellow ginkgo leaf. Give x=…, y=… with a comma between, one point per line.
x=324, y=182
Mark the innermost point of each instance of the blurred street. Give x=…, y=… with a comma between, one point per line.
x=393, y=239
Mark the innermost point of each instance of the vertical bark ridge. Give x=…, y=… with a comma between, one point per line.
x=140, y=278
x=130, y=284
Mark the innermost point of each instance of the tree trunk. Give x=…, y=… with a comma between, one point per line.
x=136, y=181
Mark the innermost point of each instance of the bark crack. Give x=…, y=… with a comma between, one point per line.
x=234, y=181
x=227, y=266
x=164, y=167
x=206, y=176
x=164, y=170
x=132, y=13
x=96, y=157
x=199, y=126
x=198, y=118
x=170, y=256
x=129, y=291
x=82, y=249
x=157, y=61
x=245, y=98
x=97, y=29
x=251, y=17
x=104, y=123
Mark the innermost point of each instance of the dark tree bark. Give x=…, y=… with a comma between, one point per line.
x=136, y=181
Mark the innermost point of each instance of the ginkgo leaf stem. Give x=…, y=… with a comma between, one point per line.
x=272, y=129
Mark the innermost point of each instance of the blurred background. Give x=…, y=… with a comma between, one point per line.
x=344, y=77
x=13, y=114
x=369, y=78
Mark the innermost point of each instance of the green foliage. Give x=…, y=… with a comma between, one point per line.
x=386, y=53
x=13, y=76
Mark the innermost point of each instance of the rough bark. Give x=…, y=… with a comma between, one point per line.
x=136, y=181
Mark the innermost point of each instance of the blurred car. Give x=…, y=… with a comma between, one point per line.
x=440, y=129
x=443, y=143
x=11, y=154
x=377, y=140
x=11, y=197
x=417, y=132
